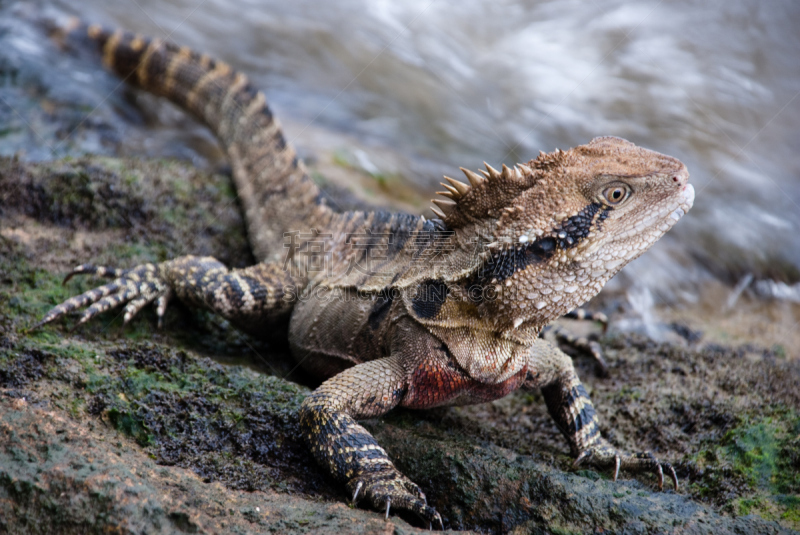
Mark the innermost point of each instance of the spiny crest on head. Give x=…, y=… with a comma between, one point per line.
x=549, y=160
x=491, y=191
x=485, y=192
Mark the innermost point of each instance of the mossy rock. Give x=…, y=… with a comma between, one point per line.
x=194, y=428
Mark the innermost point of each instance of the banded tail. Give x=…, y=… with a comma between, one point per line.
x=275, y=191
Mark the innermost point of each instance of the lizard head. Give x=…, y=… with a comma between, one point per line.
x=558, y=228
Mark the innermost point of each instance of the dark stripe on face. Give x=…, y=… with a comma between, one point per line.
x=578, y=227
x=505, y=263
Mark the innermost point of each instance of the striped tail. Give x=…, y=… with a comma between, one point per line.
x=274, y=188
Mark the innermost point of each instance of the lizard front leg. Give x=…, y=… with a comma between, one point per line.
x=347, y=450
x=568, y=403
x=249, y=297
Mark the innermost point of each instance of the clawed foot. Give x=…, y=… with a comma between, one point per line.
x=387, y=489
x=605, y=456
x=136, y=287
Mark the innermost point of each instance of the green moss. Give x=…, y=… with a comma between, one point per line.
x=779, y=351
x=787, y=479
x=127, y=423
x=589, y=474
x=627, y=393
x=42, y=336
x=227, y=191
x=764, y=455
x=76, y=407
x=71, y=351
x=792, y=505
x=36, y=291
x=747, y=506
x=784, y=509
x=126, y=251
x=754, y=451
x=381, y=179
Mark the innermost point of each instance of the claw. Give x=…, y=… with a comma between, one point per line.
x=137, y=287
x=438, y=518
x=582, y=457
x=161, y=306
x=34, y=326
x=430, y=514
x=358, y=489
x=637, y=462
x=660, y=477
x=390, y=488
x=89, y=269
x=80, y=270
x=673, y=475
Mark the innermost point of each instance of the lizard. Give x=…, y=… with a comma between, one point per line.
x=397, y=310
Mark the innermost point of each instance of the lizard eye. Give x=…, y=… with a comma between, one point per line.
x=616, y=194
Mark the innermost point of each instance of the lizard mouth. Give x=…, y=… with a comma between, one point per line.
x=686, y=205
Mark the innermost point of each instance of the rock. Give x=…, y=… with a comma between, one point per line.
x=133, y=429
x=62, y=475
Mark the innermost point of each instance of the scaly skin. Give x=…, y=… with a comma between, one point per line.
x=393, y=309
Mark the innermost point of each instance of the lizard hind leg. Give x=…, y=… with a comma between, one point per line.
x=582, y=344
x=588, y=315
x=347, y=450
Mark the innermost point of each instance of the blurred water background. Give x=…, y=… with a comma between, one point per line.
x=442, y=83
